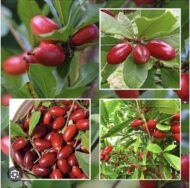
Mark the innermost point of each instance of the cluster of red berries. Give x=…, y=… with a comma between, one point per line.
x=50, y=151
x=104, y=154
x=48, y=53
x=141, y=53
x=151, y=127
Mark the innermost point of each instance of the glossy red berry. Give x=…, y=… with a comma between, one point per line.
x=56, y=174
x=39, y=131
x=85, y=35
x=65, y=152
x=5, y=99
x=82, y=124
x=119, y=53
x=151, y=123
x=69, y=133
x=175, y=128
x=128, y=171
x=56, y=141
x=107, y=150
x=19, y=143
x=161, y=50
x=41, y=145
x=63, y=165
x=72, y=160
x=47, y=118
x=28, y=160
x=76, y=171
x=15, y=66
x=77, y=115
x=175, y=117
x=40, y=171
x=143, y=2
x=107, y=158
x=183, y=93
x=136, y=122
x=18, y=158
x=5, y=145
x=148, y=183
x=146, y=130
x=159, y=134
x=47, y=159
x=128, y=93
x=50, y=54
x=109, y=12
x=58, y=123
x=57, y=111
x=177, y=137
x=185, y=167
x=141, y=54
x=42, y=24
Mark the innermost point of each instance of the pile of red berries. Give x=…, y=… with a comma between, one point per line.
x=104, y=154
x=50, y=151
x=48, y=53
x=141, y=53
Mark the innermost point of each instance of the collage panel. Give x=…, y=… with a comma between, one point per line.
x=140, y=139
x=50, y=139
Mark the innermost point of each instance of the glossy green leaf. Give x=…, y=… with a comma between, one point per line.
x=170, y=147
x=16, y=130
x=154, y=148
x=163, y=127
x=85, y=139
x=34, y=119
x=173, y=160
x=167, y=173
x=104, y=113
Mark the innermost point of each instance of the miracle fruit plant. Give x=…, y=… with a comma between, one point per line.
x=140, y=139
x=51, y=141
x=140, y=49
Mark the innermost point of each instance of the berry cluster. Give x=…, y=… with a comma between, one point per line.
x=141, y=53
x=49, y=52
x=104, y=154
x=50, y=151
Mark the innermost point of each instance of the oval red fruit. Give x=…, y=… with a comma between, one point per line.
x=18, y=157
x=19, y=143
x=176, y=117
x=56, y=141
x=56, y=174
x=141, y=54
x=72, y=160
x=118, y=53
x=107, y=158
x=47, y=118
x=63, y=165
x=41, y=145
x=175, y=128
x=159, y=134
x=65, y=152
x=177, y=137
x=82, y=124
x=76, y=171
x=5, y=99
x=107, y=150
x=151, y=123
x=136, y=122
x=39, y=131
x=47, y=159
x=148, y=183
x=77, y=115
x=58, y=123
x=40, y=171
x=57, y=111
x=69, y=133
x=28, y=160
x=85, y=35
x=128, y=93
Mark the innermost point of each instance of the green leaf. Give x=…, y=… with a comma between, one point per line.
x=150, y=80
x=46, y=104
x=16, y=130
x=88, y=72
x=110, y=25
x=152, y=14
x=170, y=147
x=164, y=106
x=135, y=174
x=108, y=172
x=72, y=92
x=63, y=9
x=154, y=148
x=134, y=74
x=94, y=128
x=167, y=173
x=26, y=16
x=34, y=119
x=85, y=139
x=104, y=113
x=163, y=127
x=83, y=160
x=170, y=81
x=43, y=80
x=137, y=143
x=111, y=105
x=4, y=117
x=173, y=160
x=151, y=26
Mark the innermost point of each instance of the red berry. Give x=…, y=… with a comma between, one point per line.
x=50, y=54
x=18, y=157
x=63, y=165
x=28, y=160
x=26, y=123
x=69, y=133
x=42, y=24
x=136, y=123
x=151, y=123
x=19, y=143
x=183, y=93
x=175, y=128
x=142, y=2
x=134, y=166
x=56, y=174
x=40, y=171
x=107, y=150
x=176, y=117
x=109, y=12
x=145, y=128
x=127, y=93
x=39, y=131
x=28, y=57
x=72, y=160
x=141, y=54
x=57, y=111
x=41, y=145
x=5, y=99
x=107, y=158
x=85, y=35
x=161, y=50
x=128, y=171
x=102, y=157
x=77, y=115
x=47, y=118
x=47, y=159
x=177, y=137
x=185, y=167
x=56, y=141
x=49, y=136
x=148, y=183
x=119, y=53
x=141, y=156
x=58, y=123
x=82, y=124
x=5, y=145
x=159, y=134
x=76, y=171
x=15, y=66
x=65, y=152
